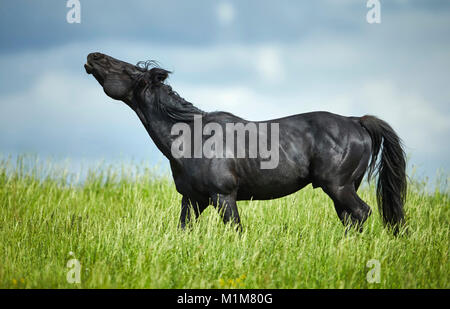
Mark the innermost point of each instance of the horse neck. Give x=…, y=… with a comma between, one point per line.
x=157, y=124
x=158, y=130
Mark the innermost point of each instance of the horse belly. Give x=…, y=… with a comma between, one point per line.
x=266, y=188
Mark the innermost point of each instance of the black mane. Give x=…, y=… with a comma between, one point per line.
x=168, y=101
x=175, y=107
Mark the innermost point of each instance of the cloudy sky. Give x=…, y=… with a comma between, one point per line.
x=257, y=59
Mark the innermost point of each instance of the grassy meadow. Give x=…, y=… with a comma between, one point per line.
x=120, y=224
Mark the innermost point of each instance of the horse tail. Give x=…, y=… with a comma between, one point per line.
x=391, y=184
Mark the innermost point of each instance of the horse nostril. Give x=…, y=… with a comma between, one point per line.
x=96, y=56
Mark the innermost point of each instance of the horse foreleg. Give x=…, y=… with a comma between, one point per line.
x=227, y=208
x=187, y=207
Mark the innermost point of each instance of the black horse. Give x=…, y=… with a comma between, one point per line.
x=327, y=150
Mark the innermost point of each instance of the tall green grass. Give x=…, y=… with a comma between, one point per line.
x=121, y=222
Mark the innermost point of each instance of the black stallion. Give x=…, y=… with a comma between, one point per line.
x=327, y=150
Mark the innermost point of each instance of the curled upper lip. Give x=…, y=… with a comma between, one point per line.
x=88, y=68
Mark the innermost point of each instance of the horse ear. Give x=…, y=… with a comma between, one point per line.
x=158, y=75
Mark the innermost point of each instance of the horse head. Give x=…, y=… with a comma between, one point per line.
x=121, y=80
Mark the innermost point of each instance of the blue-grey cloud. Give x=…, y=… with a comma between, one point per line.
x=40, y=24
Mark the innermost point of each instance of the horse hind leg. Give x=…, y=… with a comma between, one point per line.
x=351, y=210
